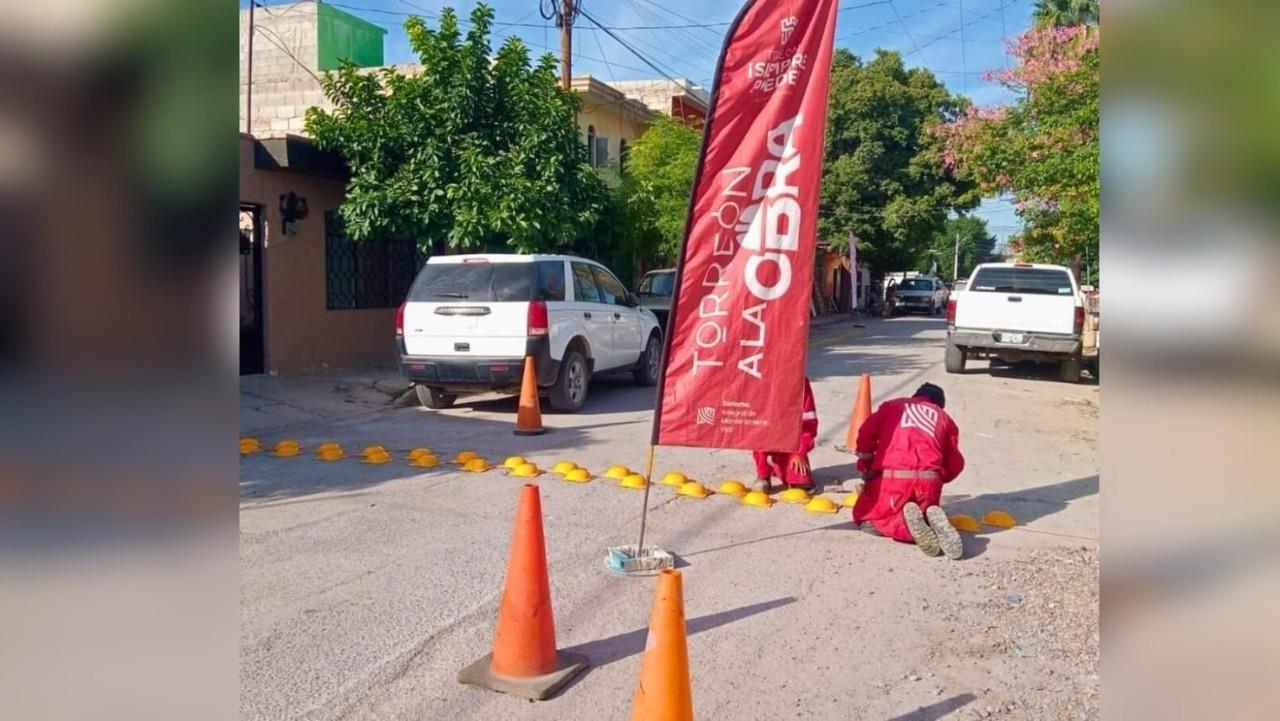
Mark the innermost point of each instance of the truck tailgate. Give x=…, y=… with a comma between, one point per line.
x=1032, y=299
x=1015, y=311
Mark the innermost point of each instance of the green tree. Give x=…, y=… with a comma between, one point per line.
x=883, y=178
x=471, y=151
x=975, y=242
x=656, y=188
x=1065, y=13
x=1044, y=147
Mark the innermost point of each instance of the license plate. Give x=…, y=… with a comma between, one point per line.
x=1011, y=338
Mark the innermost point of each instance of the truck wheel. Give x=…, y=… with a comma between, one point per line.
x=1069, y=370
x=650, y=364
x=954, y=358
x=434, y=398
x=569, y=393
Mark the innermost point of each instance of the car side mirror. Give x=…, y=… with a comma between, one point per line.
x=632, y=300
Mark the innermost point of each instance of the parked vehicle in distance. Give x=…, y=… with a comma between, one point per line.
x=919, y=294
x=469, y=321
x=1014, y=312
x=655, y=291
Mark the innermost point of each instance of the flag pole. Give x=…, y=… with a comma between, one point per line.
x=644, y=510
x=675, y=293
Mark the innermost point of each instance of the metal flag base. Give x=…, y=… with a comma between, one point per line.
x=639, y=560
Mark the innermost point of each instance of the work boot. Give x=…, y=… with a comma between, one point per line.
x=948, y=536
x=762, y=484
x=924, y=536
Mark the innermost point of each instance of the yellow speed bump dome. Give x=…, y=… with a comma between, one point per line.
x=633, y=480
x=794, y=495
x=961, y=522
x=330, y=454
x=1000, y=519
x=693, y=489
x=327, y=447
x=578, y=475
x=249, y=445
x=849, y=500
x=377, y=459
x=757, y=498
x=618, y=472
x=287, y=448
x=429, y=460
x=465, y=456
x=373, y=451
x=564, y=467
x=675, y=479
x=475, y=465
x=821, y=504
x=525, y=470
x=732, y=488
x=420, y=452
x=514, y=461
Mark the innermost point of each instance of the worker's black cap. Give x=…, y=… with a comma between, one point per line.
x=933, y=393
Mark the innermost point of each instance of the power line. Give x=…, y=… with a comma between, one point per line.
x=600, y=45
x=430, y=15
x=626, y=45
x=975, y=21
x=908, y=16
x=273, y=38
x=964, y=60
x=906, y=30
x=697, y=54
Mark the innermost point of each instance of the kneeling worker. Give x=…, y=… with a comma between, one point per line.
x=906, y=450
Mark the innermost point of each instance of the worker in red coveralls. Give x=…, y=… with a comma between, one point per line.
x=907, y=450
x=791, y=468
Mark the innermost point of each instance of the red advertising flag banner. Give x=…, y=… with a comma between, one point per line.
x=735, y=362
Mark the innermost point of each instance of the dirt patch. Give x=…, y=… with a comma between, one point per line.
x=1031, y=626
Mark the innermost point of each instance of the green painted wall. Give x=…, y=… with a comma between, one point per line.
x=343, y=36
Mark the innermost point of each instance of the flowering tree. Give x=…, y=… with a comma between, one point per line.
x=1043, y=148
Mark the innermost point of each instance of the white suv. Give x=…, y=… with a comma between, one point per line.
x=469, y=321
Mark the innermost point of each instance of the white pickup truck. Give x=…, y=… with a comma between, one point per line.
x=1015, y=312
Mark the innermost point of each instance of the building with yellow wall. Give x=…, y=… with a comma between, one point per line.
x=609, y=121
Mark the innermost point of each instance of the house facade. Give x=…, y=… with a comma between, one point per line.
x=310, y=298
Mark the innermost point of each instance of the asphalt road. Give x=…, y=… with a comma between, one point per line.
x=365, y=588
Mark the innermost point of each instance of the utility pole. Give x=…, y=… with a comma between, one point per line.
x=248, y=90
x=568, y=10
x=955, y=269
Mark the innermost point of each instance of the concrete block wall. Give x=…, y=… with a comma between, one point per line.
x=285, y=68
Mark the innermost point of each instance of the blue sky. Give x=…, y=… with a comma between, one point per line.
x=928, y=33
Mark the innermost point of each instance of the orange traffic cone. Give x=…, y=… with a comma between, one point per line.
x=529, y=417
x=861, y=410
x=663, y=693
x=524, y=661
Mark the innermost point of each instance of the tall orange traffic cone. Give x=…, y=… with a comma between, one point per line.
x=663, y=693
x=529, y=417
x=525, y=661
x=861, y=410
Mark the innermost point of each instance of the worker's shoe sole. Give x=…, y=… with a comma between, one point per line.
x=948, y=537
x=924, y=536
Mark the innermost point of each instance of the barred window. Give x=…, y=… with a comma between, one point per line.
x=374, y=273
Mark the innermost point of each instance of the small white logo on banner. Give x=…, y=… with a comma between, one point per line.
x=706, y=416
x=915, y=415
x=788, y=26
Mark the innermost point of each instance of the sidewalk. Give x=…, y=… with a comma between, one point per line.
x=271, y=402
